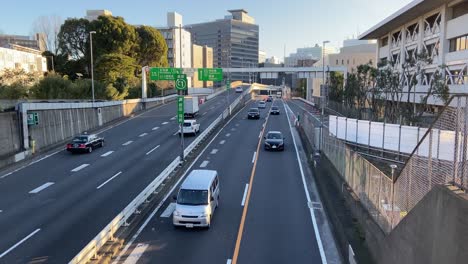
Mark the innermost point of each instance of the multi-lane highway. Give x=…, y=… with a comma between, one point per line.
x=51, y=209
x=269, y=211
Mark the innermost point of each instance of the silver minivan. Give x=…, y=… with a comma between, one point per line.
x=197, y=199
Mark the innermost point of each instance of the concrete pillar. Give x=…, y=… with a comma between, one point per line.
x=143, y=82
x=23, y=108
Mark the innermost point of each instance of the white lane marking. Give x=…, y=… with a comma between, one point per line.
x=312, y=213
x=214, y=151
x=155, y=148
x=110, y=179
x=42, y=187
x=155, y=128
x=107, y=153
x=211, y=108
x=204, y=164
x=165, y=123
x=173, y=118
x=20, y=242
x=245, y=194
x=260, y=134
x=177, y=132
x=233, y=129
x=1, y=211
x=144, y=134
x=229, y=261
x=136, y=254
x=204, y=113
x=127, y=143
x=237, y=125
x=228, y=134
x=80, y=167
x=143, y=226
x=222, y=142
x=254, y=156
x=169, y=210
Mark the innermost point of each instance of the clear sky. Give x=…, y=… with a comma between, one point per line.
x=294, y=23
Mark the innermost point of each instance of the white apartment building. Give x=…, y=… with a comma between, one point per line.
x=309, y=53
x=28, y=61
x=353, y=54
x=437, y=27
x=262, y=56
x=177, y=39
x=92, y=15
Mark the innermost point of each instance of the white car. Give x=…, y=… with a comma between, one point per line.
x=239, y=90
x=190, y=127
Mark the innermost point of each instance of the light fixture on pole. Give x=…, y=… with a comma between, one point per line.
x=92, y=64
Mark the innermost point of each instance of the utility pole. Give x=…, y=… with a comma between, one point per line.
x=92, y=66
x=181, y=93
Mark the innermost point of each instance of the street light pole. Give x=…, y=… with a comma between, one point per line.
x=181, y=92
x=92, y=64
x=321, y=96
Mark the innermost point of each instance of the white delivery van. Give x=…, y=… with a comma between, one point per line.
x=190, y=106
x=197, y=199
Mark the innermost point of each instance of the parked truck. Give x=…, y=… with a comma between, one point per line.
x=191, y=106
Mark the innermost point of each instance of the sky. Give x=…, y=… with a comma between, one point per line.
x=291, y=23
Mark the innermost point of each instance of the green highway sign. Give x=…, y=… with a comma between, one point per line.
x=164, y=74
x=33, y=119
x=207, y=74
x=228, y=85
x=180, y=81
x=180, y=109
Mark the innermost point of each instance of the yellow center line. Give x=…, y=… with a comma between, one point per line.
x=247, y=199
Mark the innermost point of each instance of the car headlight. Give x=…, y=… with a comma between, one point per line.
x=177, y=213
x=281, y=144
x=205, y=214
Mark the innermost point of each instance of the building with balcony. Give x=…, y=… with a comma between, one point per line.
x=234, y=40
x=437, y=28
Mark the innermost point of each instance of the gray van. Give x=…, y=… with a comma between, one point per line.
x=197, y=199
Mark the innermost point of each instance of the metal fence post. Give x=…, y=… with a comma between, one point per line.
x=346, y=130
x=399, y=144
x=357, y=130
x=429, y=163
x=455, y=155
x=383, y=139
x=368, y=137
x=464, y=146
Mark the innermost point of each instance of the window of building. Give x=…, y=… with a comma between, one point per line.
x=354, y=61
x=342, y=62
x=347, y=62
x=460, y=9
x=384, y=41
x=460, y=43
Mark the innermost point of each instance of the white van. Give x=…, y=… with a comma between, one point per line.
x=197, y=199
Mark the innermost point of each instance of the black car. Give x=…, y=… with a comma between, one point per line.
x=85, y=143
x=274, y=110
x=269, y=99
x=253, y=113
x=274, y=140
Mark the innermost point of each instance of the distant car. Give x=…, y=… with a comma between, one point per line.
x=253, y=113
x=85, y=143
x=274, y=110
x=274, y=140
x=190, y=127
x=269, y=99
x=239, y=90
x=261, y=105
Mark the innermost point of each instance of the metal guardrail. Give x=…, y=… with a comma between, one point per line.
x=92, y=248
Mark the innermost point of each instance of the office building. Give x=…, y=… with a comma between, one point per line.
x=234, y=40
x=37, y=43
x=261, y=56
x=202, y=57
x=437, y=28
x=94, y=14
x=354, y=55
x=307, y=54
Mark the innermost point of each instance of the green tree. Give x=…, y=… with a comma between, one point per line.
x=113, y=35
x=116, y=72
x=152, y=47
x=336, y=86
x=15, y=91
x=52, y=87
x=73, y=38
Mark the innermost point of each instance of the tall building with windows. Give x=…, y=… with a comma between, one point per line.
x=436, y=27
x=234, y=40
x=202, y=57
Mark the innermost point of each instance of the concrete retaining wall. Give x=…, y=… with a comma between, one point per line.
x=9, y=133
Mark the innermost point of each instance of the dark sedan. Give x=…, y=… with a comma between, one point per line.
x=85, y=143
x=274, y=140
x=253, y=113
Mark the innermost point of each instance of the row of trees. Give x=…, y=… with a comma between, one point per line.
x=120, y=51
x=388, y=91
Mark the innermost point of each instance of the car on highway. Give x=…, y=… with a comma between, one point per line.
x=269, y=99
x=274, y=110
x=253, y=113
x=85, y=143
x=261, y=105
x=197, y=199
x=274, y=140
x=239, y=90
x=190, y=127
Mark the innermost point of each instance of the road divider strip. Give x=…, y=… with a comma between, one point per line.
x=19, y=243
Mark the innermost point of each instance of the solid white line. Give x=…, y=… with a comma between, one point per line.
x=80, y=167
x=142, y=227
x=136, y=254
x=174, y=118
x=155, y=128
x=222, y=142
x=107, y=153
x=144, y=134
x=312, y=213
x=42, y=187
x=260, y=134
x=165, y=123
x=254, y=156
x=155, y=148
x=229, y=261
x=228, y=134
x=111, y=178
x=127, y=143
x=20, y=242
x=245, y=194
x=214, y=151
x=204, y=164
x=170, y=208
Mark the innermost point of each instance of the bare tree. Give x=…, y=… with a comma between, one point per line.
x=49, y=26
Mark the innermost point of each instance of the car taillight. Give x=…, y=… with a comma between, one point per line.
x=69, y=145
x=82, y=146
